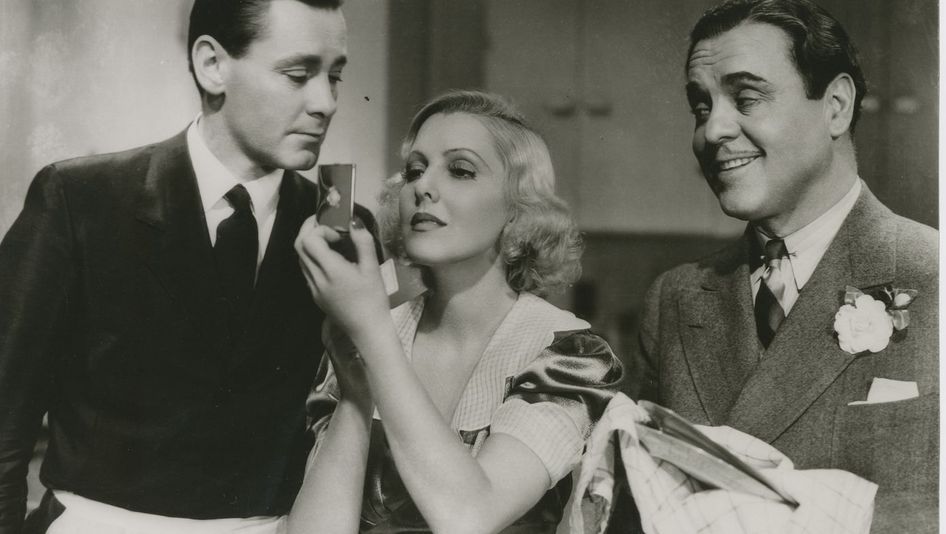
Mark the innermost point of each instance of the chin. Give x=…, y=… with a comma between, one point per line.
x=739, y=208
x=742, y=201
x=302, y=160
x=422, y=255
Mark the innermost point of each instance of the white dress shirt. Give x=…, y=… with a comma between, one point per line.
x=805, y=247
x=214, y=180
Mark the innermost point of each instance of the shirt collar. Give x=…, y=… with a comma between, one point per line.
x=807, y=245
x=214, y=179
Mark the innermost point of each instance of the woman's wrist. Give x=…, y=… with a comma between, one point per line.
x=362, y=403
x=371, y=326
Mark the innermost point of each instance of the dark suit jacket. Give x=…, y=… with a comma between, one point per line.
x=112, y=321
x=700, y=356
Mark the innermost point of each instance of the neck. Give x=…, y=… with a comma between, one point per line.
x=226, y=148
x=468, y=298
x=837, y=179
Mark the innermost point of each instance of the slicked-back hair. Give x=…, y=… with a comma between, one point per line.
x=540, y=245
x=820, y=47
x=235, y=24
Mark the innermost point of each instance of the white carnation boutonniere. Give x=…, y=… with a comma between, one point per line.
x=867, y=322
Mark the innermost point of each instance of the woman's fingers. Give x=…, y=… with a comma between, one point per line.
x=364, y=244
x=313, y=244
x=313, y=273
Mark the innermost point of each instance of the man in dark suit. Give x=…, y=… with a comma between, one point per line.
x=757, y=336
x=151, y=301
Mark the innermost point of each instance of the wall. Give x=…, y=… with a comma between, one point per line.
x=104, y=75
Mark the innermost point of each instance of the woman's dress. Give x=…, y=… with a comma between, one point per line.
x=543, y=379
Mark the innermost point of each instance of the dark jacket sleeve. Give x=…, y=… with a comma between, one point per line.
x=36, y=272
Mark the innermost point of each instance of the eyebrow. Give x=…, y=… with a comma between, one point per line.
x=309, y=60
x=743, y=77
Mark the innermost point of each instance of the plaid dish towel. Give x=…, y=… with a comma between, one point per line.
x=672, y=502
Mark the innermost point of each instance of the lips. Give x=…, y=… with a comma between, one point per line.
x=422, y=219
x=315, y=136
x=734, y=163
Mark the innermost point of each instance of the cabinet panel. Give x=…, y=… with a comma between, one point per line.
x=913, y=143
x=604, y=81
x=637, y=128
x=532, y=58
x=897, y=136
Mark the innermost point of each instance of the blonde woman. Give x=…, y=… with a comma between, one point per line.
x=465, y=409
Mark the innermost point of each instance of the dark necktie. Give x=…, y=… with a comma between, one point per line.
x=236, y=251
x=768, y=312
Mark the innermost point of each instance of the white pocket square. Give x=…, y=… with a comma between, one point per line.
x=886, y=390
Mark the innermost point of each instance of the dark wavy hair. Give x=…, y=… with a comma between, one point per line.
x=820, y=48
x=235, y=24
x=540, y=245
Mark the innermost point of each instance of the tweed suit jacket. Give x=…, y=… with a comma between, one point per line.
x=112, y=321
x=699, y=355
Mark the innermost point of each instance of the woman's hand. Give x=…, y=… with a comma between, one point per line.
x=352, y=294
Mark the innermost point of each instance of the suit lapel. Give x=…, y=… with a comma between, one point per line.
x=804, y=357
x=172, y=231
x=718, y=335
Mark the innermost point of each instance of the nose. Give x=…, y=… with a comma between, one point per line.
x=721, y=125
x=321, y=97
x=425, y=188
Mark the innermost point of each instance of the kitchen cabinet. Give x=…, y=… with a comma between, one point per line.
x=603, y=81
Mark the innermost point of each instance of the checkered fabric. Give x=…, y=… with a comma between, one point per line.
x=671, y=502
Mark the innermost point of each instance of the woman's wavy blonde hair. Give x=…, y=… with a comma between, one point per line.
x=540, y=245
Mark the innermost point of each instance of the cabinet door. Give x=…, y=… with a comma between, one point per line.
x=532, y=58
x=637, y=130
x=910, y=184
x=897, y=136
x=604, y=81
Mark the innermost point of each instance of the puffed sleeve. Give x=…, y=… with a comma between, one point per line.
x=322, y=400
x=552, y=404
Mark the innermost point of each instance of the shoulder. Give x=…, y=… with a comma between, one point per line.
x=133, y=160
x=917, y=249
x=693, y=275
x=573, y=346
x=546, y=315
x=119, y=172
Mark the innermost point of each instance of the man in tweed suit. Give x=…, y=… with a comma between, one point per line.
x=748, y=337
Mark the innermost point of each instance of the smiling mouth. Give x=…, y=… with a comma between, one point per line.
x=734, y=163
x=426, y=220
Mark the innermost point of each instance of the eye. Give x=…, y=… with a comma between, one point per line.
x=413, y=172
x=335, y=77
x=462, y=169
x=746, y=99
x=297, y=76
x=744, y=103
x=700, y=112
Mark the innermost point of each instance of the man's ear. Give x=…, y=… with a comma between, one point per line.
x=839, y=104
x=209, y=59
